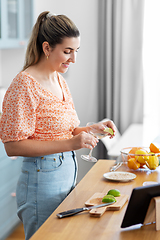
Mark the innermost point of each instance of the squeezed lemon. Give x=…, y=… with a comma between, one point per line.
x=109, y=130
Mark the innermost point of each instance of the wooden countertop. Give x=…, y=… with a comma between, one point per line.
x=84, y=227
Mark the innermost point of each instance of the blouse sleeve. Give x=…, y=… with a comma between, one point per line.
x=19, y=115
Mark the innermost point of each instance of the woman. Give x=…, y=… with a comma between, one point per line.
x=39, y=121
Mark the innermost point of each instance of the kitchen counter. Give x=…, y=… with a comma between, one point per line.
x=84, y=227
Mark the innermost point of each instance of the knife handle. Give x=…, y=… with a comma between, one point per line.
x=70, y=212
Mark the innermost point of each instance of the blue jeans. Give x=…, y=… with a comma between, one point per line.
x=43, y=184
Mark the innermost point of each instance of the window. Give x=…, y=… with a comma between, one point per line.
x=151, y=69
x=0, y=21
x=16, y=18
x=12, y=18
x=27, y=17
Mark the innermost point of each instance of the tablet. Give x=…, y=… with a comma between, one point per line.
x=138, y=204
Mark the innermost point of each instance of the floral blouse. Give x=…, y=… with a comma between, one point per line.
x=32, y=112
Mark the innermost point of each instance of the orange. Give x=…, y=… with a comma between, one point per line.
x=132, y=151
x=153, y=148
x=133, y=164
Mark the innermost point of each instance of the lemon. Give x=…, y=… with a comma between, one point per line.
x=114, y=192
x=108, y=198
x=152, y=153
x=109, y=130
x=153, y=162
x=141, y=159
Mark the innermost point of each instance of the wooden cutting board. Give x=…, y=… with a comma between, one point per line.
x=97, y=199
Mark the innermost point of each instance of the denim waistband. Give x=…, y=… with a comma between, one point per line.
x=62, y=155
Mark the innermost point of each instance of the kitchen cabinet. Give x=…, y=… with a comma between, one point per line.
x=16, y=19
x=10, y=168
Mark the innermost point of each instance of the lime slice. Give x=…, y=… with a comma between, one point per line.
x=114, y=192
x=108, y=198
x=109, y=130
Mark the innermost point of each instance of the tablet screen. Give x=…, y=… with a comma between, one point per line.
x=138, y=204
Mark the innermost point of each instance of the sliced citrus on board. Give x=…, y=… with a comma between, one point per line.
x=108, y=198
x=114, y=192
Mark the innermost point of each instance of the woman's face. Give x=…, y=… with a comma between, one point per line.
x=64, y=54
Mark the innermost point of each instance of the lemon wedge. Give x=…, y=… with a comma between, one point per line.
x=109, y=130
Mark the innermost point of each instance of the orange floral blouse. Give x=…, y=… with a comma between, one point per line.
x=32, y=112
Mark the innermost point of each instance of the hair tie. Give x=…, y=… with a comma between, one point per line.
x=50, y=15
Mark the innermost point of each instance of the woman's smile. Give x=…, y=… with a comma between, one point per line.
x=66, y=65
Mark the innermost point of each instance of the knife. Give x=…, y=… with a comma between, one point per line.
x=78, y=210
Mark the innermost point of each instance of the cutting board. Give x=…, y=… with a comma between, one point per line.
x=97, y=199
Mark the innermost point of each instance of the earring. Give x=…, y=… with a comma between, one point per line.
x=47, y=57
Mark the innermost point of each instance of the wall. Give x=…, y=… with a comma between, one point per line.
x=0, y=67
x=82, y=76
x=11, y=63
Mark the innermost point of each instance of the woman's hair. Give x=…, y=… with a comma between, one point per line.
x=50, y=28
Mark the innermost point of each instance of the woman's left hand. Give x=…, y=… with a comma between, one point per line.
x=101, y=126
x=111, y=125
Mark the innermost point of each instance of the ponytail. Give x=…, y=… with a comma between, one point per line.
x=33, y=52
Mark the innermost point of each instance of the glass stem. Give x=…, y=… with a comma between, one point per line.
x=90, y=153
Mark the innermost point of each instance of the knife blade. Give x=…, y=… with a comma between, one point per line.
x=78, y=210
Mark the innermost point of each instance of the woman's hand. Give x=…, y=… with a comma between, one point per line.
x=111, y=125
x=84, y=140
x=101, y=126
x=33, y=148
x=80, y=139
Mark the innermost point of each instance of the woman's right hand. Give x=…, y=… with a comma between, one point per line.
x=34, y=148
x=84, y=140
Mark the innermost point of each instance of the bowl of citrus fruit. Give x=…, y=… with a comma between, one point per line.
x=141, y=158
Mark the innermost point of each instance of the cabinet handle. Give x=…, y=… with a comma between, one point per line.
x=13, y=194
